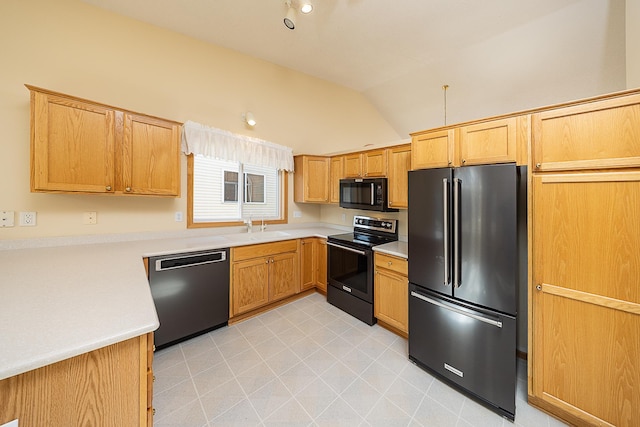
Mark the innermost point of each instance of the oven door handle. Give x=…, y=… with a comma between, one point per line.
x=347, y=248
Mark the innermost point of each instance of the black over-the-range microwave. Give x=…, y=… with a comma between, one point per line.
x=366, y=194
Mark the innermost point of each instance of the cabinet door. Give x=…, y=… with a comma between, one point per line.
x=353, y=165
x=586, y=301
x=72, y=145
x=488, y=142
x=321, y=264
x=375, y=163
x=151, y=156
x=432, y=150
x=307, y=264
x=311, y=179
x=583, y=136
x=391, y=304
x=337, y=173
x=399, y=165
x=283, y=276
x=250, y=285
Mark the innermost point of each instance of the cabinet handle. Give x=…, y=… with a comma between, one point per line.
x=464, y=160
x=389, y=263
x=266, y=262
x=108, y=188
x=272, y=260
x=538, y=287
x=128, y=189
x=450, y=162
x=538, y=165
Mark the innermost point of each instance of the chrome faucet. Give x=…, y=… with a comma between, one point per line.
x=263, y=226
x=249, y=225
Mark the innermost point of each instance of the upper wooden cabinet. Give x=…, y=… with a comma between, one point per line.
x=399, y=164
x=352, y=165
x=78, y=146
x=594, y=135
x=337, y=173
x=488, y=142
x=433, y=149
x=374, y=163
x=311, y=179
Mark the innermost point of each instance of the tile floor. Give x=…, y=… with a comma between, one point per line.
x=308, y=363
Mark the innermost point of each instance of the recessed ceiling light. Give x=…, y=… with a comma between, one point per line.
x=306, y=7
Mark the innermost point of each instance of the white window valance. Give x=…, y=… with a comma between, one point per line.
x=224, y=145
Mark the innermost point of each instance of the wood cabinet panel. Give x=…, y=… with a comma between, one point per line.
x=586, y=360
x=283, y=276
x=433, y=149
x=78, y=146
x=374, y=163
x=150, y=149
x=399, y=165
x=72, y=145
x=488, y=142
x=263, y=249
x=321, y=264
x=250, y=285
x=337, y=173
x=586, y=302
x=311, y=179
x=391, y=290
x=591, y=232
x=102, y=387
x=602, y=134
x=307, y=264
x=353, y=165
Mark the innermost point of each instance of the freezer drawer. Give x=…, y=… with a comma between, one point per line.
x=474, y=349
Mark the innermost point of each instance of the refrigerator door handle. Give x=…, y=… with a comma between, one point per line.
x=487, y=320
x=445, y=209
x=456, y=232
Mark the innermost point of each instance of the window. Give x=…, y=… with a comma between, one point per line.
x=225, y=193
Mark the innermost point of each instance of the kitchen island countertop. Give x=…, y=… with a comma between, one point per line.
x=62, y=301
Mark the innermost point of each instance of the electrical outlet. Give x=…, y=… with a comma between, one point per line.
x=177, y=216
x=90, y=218
x=27, y=219
x=297, y=214
x=6, y=218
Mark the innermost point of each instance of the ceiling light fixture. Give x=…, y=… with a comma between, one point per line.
x=249, y=119
x=306, y=7
x=289, y=19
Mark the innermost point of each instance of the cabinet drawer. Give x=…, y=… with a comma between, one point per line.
x=602, y=134
x=264, y=249
x=399, y=265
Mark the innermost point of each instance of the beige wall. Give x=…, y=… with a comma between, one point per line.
x=72, y=47
x=632, y=26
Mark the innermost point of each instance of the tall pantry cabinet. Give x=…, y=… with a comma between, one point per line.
x=585, y=284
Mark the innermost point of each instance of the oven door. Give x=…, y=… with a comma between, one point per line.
x=350, y=268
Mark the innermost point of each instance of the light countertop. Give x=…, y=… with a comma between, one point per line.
x=399, y=249
x=62, y=301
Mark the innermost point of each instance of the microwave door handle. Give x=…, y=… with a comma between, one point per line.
x=373, y=194
x=445, y=211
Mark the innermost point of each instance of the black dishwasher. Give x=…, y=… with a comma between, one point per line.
x=191, y=294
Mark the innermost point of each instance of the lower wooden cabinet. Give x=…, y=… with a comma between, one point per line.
x=391, y=292
x=585, y=298
x=261, y=274
x=110, y=386
x=313, y=264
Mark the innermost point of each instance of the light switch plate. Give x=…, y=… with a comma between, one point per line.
x=297, y=214
x=7, y=219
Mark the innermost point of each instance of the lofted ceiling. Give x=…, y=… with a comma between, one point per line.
x=497, y=56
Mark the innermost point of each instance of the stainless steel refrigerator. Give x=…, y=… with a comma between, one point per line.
x=463, y=274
